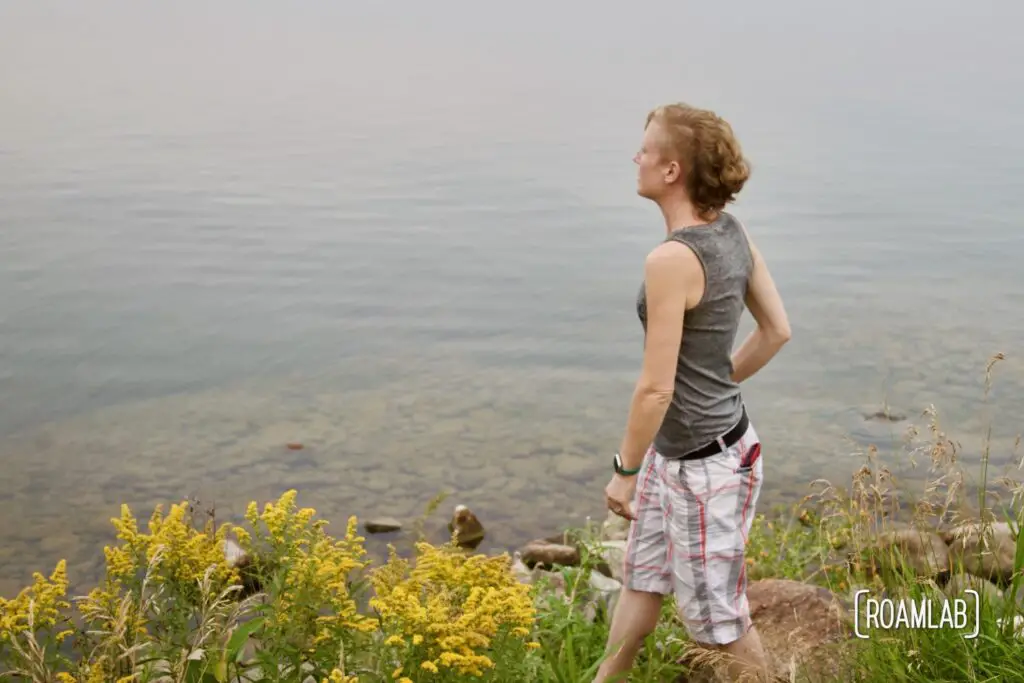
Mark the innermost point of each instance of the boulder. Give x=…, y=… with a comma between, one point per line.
x=920, y=552
x=520, y=570
x=614, y=528
x=549, y=555
x=596, y=598
x=248, y=569
x=233, y=553
x=549, y=584
x=569, y=537
x=465, y=528
x=602, y=597
x=799, y=625
x=613, y=559
x=984, y=551
x=959, y=583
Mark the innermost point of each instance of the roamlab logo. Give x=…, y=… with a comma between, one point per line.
x=888, y=613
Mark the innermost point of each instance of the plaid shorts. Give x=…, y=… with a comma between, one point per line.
x=693, y=517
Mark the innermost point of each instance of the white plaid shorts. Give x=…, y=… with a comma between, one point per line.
x=689, y=537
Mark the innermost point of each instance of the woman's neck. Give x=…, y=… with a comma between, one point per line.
x=680, y=213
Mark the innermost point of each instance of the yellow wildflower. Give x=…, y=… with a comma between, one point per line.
x=452, y=605
x=186, y=553
x=40, y=604
x=309, y=598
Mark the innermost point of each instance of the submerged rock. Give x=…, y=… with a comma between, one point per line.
x=382, y=525
x=880, y=426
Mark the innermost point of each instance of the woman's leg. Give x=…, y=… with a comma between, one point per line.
x=636, y=616
x=713, y=502
x=647, y=576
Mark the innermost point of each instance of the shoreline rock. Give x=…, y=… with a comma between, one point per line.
x=549, y=555
x=382, y=525
x=467, y=531
x=987, y=552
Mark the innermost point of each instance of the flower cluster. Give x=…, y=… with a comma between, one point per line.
x=37, y=607
x=185, y=552
x=173, y=607
x=309, y=580
x=448, y=609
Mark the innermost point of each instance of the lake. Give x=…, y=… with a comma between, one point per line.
x=408, y=237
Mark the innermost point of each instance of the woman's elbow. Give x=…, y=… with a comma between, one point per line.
x=657, y=392
x=780, y=334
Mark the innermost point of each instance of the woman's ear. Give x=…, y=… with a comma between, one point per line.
x=673, y=172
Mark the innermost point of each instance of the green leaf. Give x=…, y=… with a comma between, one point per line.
x=195, y=669
x=236, y=644
x=220, y=670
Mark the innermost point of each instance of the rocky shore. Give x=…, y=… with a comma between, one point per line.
x=804, y=626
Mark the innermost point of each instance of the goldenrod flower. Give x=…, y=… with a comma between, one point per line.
x=40, y=604
x=452, y=605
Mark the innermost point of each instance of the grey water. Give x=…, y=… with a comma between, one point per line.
x=407, y=235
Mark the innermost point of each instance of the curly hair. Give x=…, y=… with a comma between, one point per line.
x=703, y=142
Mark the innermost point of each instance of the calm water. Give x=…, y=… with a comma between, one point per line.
x=409, y=238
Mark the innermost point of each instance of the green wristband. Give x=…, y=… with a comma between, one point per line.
x=619, y=469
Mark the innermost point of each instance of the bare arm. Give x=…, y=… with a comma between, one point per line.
x=669, y=275
x=772, y=331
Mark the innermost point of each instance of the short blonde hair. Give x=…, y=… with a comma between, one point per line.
x=703, y=143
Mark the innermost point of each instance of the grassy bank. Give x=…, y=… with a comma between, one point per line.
x=306, y=604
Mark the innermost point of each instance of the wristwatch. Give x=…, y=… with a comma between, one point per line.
x=619, y=469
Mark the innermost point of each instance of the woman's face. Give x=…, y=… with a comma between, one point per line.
x=655, y=172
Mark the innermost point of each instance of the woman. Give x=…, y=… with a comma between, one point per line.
x=688, y=472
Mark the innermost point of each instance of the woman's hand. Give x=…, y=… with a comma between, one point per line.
x=619, y=496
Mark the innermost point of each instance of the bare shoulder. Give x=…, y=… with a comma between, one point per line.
x=673, y=272
x=671, y=257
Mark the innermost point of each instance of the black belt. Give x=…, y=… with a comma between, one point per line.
x=729, y=439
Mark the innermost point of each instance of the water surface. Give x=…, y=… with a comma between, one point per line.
x=408, y=237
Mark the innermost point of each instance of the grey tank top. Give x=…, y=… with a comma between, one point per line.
x=706, y=403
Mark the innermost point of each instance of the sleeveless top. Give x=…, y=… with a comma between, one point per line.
x=706, y=403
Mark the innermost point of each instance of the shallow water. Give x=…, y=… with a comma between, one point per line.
x=412, y=243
